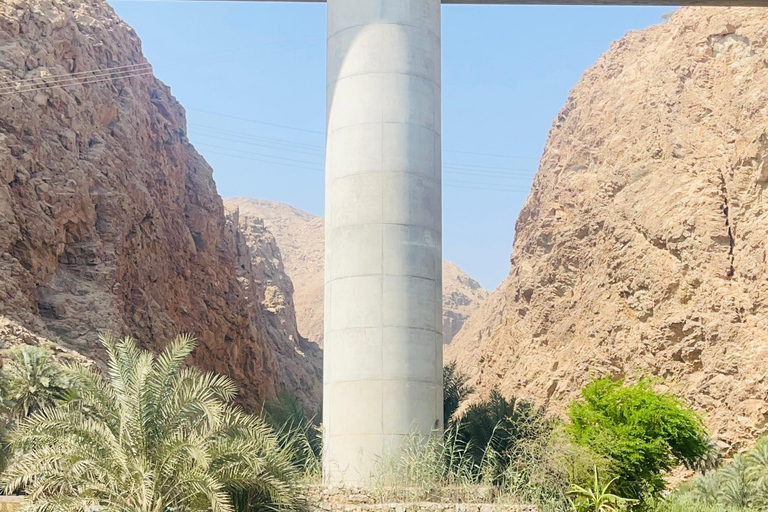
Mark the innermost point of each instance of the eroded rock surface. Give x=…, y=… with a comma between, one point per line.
x=262, y=274
x=301, y=239
x=642, y=246
x=109, y=218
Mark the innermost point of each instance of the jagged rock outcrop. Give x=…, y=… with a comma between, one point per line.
x=262, y=274
x=109, y=218
x=301, y=239
x=642, y=246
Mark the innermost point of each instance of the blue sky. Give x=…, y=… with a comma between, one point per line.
x=252, y=78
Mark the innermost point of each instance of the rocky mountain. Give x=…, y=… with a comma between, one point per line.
x=109, y=218
x=262, y=274
x=301, y=238
x=642, y=246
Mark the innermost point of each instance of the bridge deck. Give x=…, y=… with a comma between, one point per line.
x=668, y=3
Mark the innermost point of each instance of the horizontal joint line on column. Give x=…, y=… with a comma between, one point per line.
x=399, y=224
x=334, y=130
x=433, y=331
x=382, y=22
x=402, y=73
x=437, y=179
x=395, y=379
x=382, y=275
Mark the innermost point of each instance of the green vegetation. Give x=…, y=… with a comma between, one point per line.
x=611, y=455
x=598, y=498
x=154, y=436
x=455, y=391
x=493, y=430
x=297, y=433
x=643, y=434
x=740, y=485
x=32, y=380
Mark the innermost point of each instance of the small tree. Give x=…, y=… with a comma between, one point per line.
x=642, y=433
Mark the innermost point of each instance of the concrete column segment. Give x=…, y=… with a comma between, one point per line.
x=383, y=281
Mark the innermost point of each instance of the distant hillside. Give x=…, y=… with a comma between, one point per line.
x=643, y=246
x=301, y=240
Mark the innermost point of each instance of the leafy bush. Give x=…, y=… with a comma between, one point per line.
x=154, y=436
x=641, y=432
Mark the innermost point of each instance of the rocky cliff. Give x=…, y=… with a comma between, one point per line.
x=642, y=246
x=262, y=274
x=109, y=218
x=301, y=239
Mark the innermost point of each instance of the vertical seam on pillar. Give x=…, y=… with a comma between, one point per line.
x=383, y=252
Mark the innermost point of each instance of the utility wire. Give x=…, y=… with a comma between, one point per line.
x=448, y=168
x=445, y=183
x=33, y=84
x=257, y=122
x=85, y=82
x=102, y=71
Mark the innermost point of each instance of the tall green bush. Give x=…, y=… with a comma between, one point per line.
x=643, y=433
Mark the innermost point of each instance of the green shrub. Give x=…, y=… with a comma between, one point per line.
x=32, y=380
x=597, y=497
x=641, y=432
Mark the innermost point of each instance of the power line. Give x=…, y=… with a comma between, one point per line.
x=69, y=76
x=275, y=125
x=238, y=134
x=269, y=146
x=491, y=154
x=304, y=162
x=85, y=82
x=32, y=84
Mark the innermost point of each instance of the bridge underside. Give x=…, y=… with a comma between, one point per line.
x=667, y=3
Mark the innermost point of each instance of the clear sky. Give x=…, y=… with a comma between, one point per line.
x=252, y=78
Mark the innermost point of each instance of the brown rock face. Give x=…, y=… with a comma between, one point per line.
x=261, y=272
x=109, y=219
x=300, y=235
x=642, y=247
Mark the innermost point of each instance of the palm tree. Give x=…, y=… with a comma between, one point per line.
x=154, y=437
x=32, y=380
x=455, y=390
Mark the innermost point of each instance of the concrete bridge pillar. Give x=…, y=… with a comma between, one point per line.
x=383, y=277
